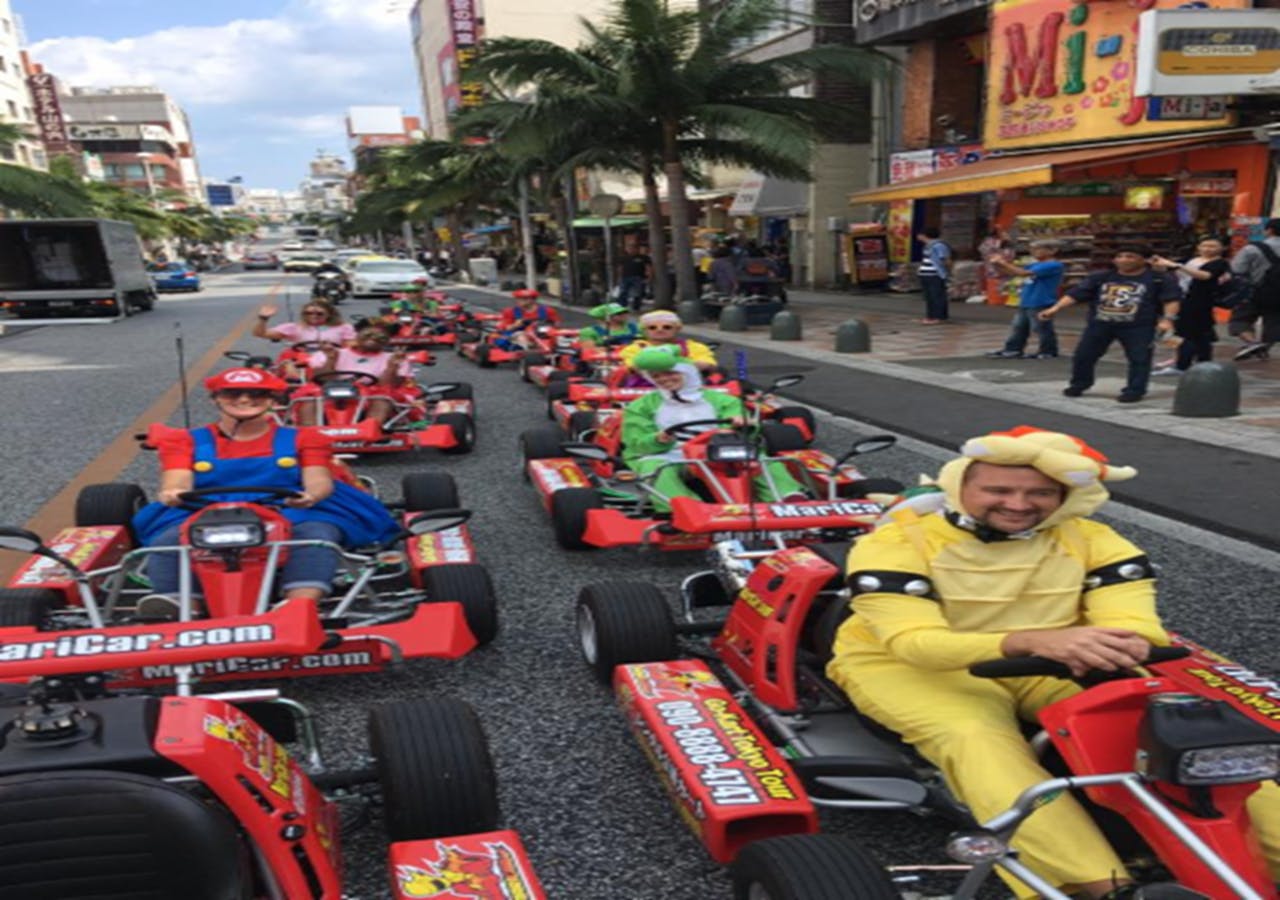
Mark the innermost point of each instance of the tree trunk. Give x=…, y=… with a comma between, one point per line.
x=681, y=241
x=657, y=240
x=526, y=237
x=559, y=208
x=455, y=242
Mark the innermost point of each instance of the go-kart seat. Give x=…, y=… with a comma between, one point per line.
x=828, y=613
x=836, y=553
x=106, y=835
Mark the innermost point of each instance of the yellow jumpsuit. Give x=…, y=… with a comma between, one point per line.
x=902, y=659
x=694, y=351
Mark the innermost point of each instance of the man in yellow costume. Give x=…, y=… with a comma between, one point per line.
x=1007, y=566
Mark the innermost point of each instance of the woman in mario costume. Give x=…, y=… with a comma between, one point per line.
x=1005, y=563
x=246, y=447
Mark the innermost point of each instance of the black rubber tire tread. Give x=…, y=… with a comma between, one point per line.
x=425, y=491
x=860, y=489
x=581, y=421
x=558, y=375
x=113, y=503
x=556, y=390
x=464, y=429
x=531, y=358
x=569, y=507
x=797, y=412
x=482, y=357
x=434, y=768
x=541, y=443
x=810, y=867
x=467, y=584
x=779, y=437
x=27, y=606
x=465, y=337
x=633, y=624
x=463, y=391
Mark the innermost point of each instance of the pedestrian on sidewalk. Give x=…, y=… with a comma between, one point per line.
x=634, y=272
x=1129, y=304
x=1039, y=292
x=1204, y=275
x=934, y=271
x=1259, y=262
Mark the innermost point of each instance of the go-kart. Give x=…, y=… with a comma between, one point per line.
x=492, y=346
x=443, y=417
x=570, y=356
x=749, y=736
x=412, y=327
x=595, y=501
x=418, y=594
x=194, y=797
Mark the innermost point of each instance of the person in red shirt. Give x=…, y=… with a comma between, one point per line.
x=527, y=313
x=246, y=447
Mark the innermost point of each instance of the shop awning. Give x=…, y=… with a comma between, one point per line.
x=615, y=222
x=1024, y=170
x=760, y=195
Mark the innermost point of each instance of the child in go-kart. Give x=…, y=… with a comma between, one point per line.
x=648, y=445
x=1006, y=565
x=613, y=329
x=245, y=447
x=389, y=372
x=318, y=323
x=516, y=320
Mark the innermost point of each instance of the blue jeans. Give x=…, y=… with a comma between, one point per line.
x=631, y=291
x=1097, y=337
x=1025, y=321
x=935, y=296
x=307, y=567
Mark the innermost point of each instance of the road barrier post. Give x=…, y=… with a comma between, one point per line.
x=690, y=311
x=733, y=318
x=853, y=336
x=1208, y=390
x=785, y=327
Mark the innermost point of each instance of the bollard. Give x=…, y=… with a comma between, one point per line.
x=733, y=318
x=785, y=327
x=853, y=336
x=589, y=297
x=1208, y=390
x=689, y=311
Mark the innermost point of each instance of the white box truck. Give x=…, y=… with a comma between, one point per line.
x=89, y=270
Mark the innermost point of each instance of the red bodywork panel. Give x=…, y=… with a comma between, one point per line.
x=731, y=785
x=452, y=545
x=551, y=475
x=92, y=547
x=699, y=517
x=261, y=785
x=367, y=436
x=488, y=866
x=759, y=640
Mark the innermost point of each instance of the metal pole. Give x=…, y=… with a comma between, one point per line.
x=526, y=237
x=406, y=231
x=608, y=256
x=571, y=247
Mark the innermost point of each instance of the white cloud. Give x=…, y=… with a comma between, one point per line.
x=252, y=82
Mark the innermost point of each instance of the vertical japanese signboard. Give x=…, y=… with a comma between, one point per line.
x=53, y=131
x=466, y=38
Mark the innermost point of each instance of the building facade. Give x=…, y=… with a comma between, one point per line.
x=16, y=104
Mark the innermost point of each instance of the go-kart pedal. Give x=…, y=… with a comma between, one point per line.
x=161, y=607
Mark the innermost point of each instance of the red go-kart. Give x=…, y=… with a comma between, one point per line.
x=188, y=797
x=751, y=738
x=419, y=594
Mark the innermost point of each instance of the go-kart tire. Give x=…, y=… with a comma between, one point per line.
x=464, y=429
x=463, y=391
x=779, y=437
x=556, y=390
x=559, y=375
x=482, y=356
x=569, y=508
x=115, y=503
x=540, y=443
x=804, y=414
x=623, y=622
x=469, y=585
x=809, y=867
x=529, y=360
x=582, y=421
x=434, y=768
x=427, y=491
x=465, y=337
x=859, y=489
x=27, y=606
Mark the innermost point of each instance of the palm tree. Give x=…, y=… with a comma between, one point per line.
x=30, y=191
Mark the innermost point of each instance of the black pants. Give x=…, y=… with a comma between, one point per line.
x=1097, y=337
x=935, y=296
x=1193, y=349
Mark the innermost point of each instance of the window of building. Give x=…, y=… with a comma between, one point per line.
x=24, y=155
x=8, y=27
x=13, y=109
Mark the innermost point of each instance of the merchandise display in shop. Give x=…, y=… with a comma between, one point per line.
x=1086, y=242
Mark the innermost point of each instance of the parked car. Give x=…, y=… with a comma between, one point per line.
x=260, y=260
x=383, y=277
x=346, y=259
x=304, y=262
x=178, y=275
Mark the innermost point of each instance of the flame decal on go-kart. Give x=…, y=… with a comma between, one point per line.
x=458, y=872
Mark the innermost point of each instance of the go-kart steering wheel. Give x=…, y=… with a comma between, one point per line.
x=1028, y=666
x=684, y=430
x=357, y=377
x=196, y=496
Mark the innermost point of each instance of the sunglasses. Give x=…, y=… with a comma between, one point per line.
x=251, y=393
x=660, y=327
x=315, y=312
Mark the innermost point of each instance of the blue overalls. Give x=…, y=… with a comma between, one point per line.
x=505, y=339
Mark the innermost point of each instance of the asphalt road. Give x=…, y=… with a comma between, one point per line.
x=573, y=783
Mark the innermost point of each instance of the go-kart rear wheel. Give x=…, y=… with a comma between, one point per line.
x=623, y=622
x=809, y=867
x=109, y=504
x=803, y=414
x=483, y=359
x=540, y=443
x=858, y=489
x=426, y=491
x=778, y=437
x=464, y=338
x=529, y=360
x=434, y=769
x=569, y=508
x=464, y=429
x=27, y=606
x=559, y=375
x=556, y=390
x=580, y=422
x=469, y=585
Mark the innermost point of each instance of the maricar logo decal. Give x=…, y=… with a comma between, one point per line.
x=845, y=508
x=107, y=644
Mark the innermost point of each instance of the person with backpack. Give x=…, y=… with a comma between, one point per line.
x=1129, y=304
x=1259, y=264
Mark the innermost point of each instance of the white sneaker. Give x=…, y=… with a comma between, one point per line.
x=1167, y=370
x=1250, y=350
x=166, y=607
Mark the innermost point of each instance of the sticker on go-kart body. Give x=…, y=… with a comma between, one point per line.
x=488, y=866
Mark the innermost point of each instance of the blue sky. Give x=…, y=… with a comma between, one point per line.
x=266, y=83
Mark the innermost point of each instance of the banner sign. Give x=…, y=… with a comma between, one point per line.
x=1197, y=52
x=53, y=130
x=466, y=37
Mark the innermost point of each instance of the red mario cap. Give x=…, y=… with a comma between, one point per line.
x=524, y=293
x=246, y=379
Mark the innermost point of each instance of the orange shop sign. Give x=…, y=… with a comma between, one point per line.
x=1063, y=72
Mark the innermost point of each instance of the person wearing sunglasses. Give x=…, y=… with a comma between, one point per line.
x=661, y=328
x=318, y=321
x=368, y=356
x=244, y=447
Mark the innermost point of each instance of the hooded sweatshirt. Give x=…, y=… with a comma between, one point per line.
x=643, y=419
